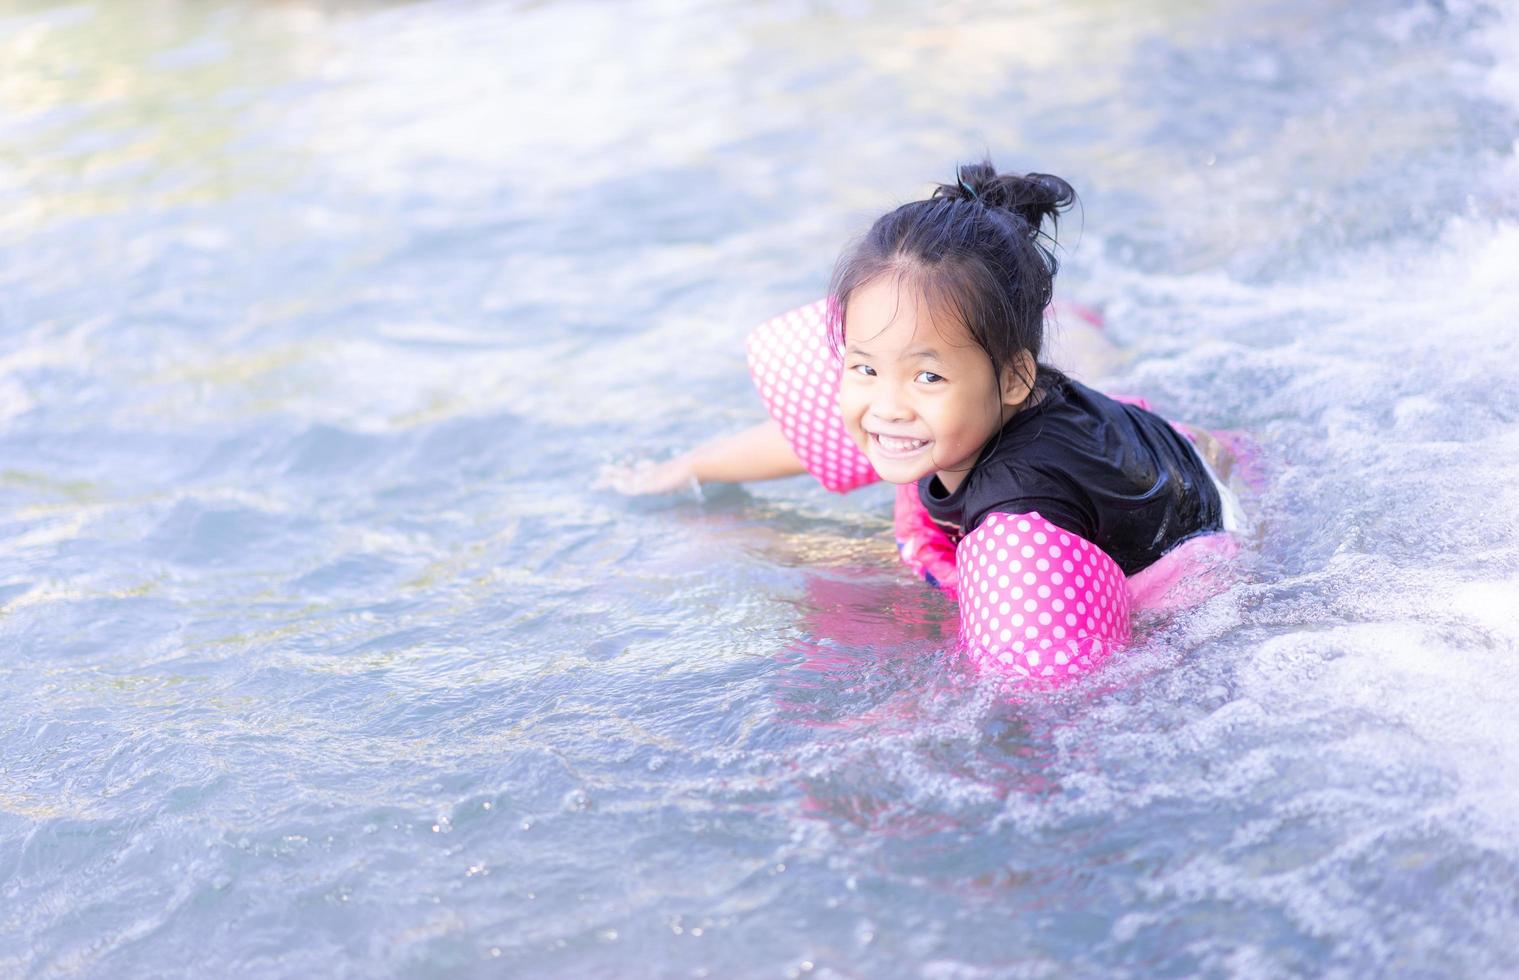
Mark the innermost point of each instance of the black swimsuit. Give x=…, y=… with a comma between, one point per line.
x=1113, y=473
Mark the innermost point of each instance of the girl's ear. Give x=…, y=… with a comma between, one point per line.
x=1018, y=379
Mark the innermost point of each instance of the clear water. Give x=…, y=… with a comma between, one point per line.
x=321, y=655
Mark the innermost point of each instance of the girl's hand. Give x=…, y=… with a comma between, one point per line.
x=648, y=477
x=760, y=452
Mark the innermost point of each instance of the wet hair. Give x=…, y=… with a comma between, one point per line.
x=976, y=249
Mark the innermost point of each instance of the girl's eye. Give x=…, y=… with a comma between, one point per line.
x=928, y=377
x=864, y=369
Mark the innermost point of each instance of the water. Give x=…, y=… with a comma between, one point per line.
x=321, y=655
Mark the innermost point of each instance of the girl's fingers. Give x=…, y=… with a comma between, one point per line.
x=644, y=477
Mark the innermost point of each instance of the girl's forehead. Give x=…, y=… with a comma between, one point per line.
x=892, y=312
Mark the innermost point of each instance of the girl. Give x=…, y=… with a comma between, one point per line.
x=1049, y=508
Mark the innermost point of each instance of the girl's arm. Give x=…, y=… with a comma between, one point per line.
x=760, y=452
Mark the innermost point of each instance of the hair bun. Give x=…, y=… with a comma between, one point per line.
x=1033, y=197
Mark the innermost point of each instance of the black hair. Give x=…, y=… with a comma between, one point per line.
x=976, y=249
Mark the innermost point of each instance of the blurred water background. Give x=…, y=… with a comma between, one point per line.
x=321, y=654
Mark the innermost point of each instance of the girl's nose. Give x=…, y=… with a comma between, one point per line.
x=891, y=408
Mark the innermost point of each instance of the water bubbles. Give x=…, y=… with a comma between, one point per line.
x=577, y=801
x=679, y=927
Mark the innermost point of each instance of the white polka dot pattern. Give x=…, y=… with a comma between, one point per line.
x=797, y=374
x=1037, y=601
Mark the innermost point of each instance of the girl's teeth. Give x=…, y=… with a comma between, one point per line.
x=899, y=445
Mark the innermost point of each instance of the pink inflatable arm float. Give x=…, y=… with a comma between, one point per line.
x=1037, y=600
x=797, y=373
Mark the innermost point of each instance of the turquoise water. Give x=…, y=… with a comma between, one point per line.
x=321, y=653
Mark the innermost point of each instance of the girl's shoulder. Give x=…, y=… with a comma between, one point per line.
x=1068, y=417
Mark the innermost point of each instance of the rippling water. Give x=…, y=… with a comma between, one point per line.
x=320, y=654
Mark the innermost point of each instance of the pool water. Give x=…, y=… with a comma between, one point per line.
x=322, y=653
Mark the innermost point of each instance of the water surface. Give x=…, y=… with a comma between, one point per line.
x=320, y=653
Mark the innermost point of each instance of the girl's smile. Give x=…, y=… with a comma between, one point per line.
x=898, y=447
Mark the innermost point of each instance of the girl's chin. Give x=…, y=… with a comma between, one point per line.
x=900, y=471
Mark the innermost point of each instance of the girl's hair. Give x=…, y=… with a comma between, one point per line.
x=975, y=249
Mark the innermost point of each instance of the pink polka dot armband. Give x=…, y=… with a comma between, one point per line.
x=1037, y=601
x=797, y=373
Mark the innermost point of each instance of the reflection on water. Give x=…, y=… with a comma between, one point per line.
x=319, y=654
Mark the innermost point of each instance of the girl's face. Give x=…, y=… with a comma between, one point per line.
x=919, y=395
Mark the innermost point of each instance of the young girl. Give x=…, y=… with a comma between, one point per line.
x=1048, y=508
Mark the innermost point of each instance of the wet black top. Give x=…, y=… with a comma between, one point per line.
x=1113, y=473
